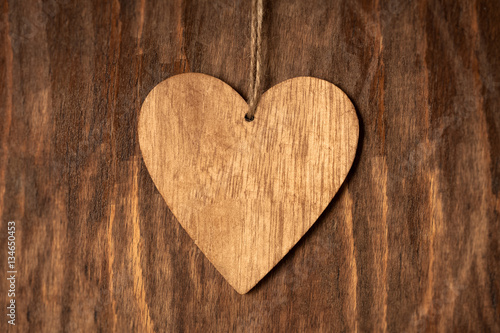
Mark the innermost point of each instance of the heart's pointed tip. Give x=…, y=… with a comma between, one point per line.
x=240, y=283
x=241, y=289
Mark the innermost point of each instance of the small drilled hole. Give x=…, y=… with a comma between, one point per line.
x=249, y=118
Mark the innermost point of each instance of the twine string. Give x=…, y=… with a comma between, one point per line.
x=256, y=58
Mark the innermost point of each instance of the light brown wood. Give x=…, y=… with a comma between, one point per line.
x=246, y=192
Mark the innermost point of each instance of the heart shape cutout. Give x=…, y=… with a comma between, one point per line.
x=246, y=192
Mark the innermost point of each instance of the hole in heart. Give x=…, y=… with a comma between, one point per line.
x=249, y=118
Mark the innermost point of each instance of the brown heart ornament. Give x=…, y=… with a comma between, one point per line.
x=246, y=192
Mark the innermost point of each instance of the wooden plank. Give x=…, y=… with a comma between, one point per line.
x=410, y=243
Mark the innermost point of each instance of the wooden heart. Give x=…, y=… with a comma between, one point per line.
x=246, y=192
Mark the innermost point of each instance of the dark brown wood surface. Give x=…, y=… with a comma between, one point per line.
x=411, y=242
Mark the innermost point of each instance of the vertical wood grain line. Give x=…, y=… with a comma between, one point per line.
x=7, y=91
x=352, y=291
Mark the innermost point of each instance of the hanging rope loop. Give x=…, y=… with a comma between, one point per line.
x=256, y=58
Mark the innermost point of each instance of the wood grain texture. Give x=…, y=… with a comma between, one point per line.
x=246, y=192
x=410, y=243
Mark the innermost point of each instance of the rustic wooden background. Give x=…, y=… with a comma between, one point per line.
x=411, y=242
